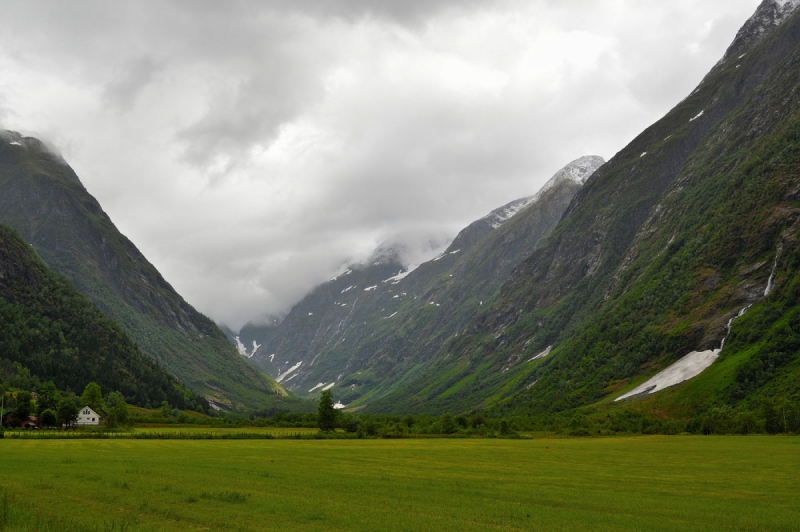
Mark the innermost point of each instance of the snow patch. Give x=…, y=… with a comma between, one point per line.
x=346, y=289
x=643, y=154
x=329, y=386
x=698, y=116
x=288, y=371
x=367, y=289
x=684, y=369
x=271, y=357
x=240, y=346
x=542, y=354
x=320, y=385
x=783, y=3
x=15, y=143
x=390, y=316
x=243, y=350
x=339, y=405
x=402, y=275
x=310, y=313
x=346, y=272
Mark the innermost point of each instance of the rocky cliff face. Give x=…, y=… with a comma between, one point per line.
x=43, y=199
x=376, y=325
x=656, y=253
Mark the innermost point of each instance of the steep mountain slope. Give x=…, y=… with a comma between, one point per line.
x=375, y=326
x=680, y=232
x=51, y=329
x=43, y=199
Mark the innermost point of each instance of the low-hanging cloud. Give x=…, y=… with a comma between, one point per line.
x=253, y=149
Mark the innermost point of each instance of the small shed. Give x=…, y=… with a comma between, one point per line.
x=87, y=416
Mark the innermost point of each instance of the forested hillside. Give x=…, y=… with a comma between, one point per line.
x=43, y=199
x=686, y=228
x=56, y=334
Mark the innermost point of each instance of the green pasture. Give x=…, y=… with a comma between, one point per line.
x=276, y=431
x=636, y=483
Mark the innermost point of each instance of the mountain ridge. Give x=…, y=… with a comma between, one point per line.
x=645, y=265
x=43, y=198
x=374, y=326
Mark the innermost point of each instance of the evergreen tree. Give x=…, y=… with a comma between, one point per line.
x=326, y=415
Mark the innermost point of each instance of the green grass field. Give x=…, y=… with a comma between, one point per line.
x=276, y=431
x=636, y=483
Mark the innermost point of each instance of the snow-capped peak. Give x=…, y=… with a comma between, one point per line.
x=577, y=171
x=783, y=3
x=499, y=216
x=768, y=15
x=785, y=8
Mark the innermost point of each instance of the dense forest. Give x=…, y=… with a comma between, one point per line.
x=53, y=333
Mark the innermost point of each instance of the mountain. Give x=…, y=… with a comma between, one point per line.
x=43, y=199
x=53, y=331
x=375, y=326
x=682, y=244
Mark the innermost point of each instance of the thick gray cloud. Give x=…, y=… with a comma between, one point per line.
x=251, y=149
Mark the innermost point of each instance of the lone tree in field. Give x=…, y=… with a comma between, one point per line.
x=326, y=415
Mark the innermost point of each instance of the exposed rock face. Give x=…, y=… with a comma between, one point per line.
x=43, y=199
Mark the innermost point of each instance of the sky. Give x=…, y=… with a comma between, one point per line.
x=252, y=149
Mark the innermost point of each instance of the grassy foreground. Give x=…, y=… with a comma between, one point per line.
x=642, y=483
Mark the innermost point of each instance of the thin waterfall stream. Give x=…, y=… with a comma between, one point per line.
x=695, y=362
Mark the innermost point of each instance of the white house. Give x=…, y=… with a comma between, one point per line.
x=87, y=416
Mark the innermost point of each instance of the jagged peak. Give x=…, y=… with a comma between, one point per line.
x=768, y=15
x=578, y=171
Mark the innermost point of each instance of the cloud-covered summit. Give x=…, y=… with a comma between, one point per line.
x=250, y=149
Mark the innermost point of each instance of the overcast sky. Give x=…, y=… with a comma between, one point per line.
x=250, y=149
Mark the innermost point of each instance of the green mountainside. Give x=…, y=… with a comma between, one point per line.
x=43, y=199
x=53, y=331
x=692, y=224
x=378, y=325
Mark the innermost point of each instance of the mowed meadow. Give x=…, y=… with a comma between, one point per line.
x=633, y=483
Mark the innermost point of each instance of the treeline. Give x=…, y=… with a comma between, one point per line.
x=49, y=328
x=53, y=409
x=771, y=417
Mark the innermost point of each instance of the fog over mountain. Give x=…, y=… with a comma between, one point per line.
x=251, y=149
